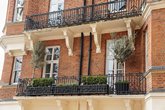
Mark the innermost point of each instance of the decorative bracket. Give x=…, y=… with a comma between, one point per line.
x=90, y=105
x=59, y=104
x=130, y=25
x=128, y=104
x=97, y=37
x=69, y=40
x=31, y=39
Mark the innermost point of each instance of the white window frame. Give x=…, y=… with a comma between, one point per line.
x=16, y=70
x=146, y=50
x=54, y=20
x=115, y=64
x=51, y=62
x=15, y=11
x=117, y=6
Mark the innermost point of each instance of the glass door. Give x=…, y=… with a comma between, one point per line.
x=55, y=15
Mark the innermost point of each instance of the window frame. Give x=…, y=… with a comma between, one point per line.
x=14, y=69
x=117, y=6
x=115, y=64
x=146, y=50
x=51, y=62
x=15, y=11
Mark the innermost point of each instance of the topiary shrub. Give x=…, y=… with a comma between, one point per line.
x=92, y=80
x=40, y=82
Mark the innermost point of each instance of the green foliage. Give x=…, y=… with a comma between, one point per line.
x=91, y=80
x=38, y=55
x=40, y=82
x=70, y=84
x=123, y=47
x=122, y=82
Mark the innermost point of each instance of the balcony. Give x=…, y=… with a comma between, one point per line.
x=128, y=84
x=87, y=14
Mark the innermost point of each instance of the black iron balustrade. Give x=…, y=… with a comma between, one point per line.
x=92, y=13
x=120, y=84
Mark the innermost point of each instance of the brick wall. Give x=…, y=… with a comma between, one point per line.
x=7, y=69
x=10, y=10
x=27, y=70
x=158, y=37
x=69, y=65
x=7, y=92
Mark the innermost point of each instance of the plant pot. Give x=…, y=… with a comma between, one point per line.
x=122, y=88
x=94, y=89
x=65, y=90
x=38, y=91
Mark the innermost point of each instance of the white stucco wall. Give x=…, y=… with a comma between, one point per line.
x=10, y=105
x=155, y=101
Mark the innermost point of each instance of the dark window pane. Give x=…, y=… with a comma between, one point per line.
x=48, y=68
x=47, y=75
x=49, y=51
x=18, y=63
x=49, y=54
x=55, y=68
x=16, y=76
x=56, y=53
x=49, y=57
x=20, y=3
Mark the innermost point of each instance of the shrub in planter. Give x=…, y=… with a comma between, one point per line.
x=122, y=87
x=92, y=80
x=71, y=88
x=39, y=82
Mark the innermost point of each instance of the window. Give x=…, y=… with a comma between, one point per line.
x=52, y=61
x=18, y=10
x=17, y=69
x=55, y=18
x=146, y=50
x=117, y=5
x=112, y=66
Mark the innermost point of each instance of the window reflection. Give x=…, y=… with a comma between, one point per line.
x=19, y=10
x=17, y=68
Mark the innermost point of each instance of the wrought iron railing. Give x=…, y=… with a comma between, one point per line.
x=92, y=13
x=110, y=84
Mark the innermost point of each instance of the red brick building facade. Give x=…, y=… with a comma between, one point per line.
x=148, y=60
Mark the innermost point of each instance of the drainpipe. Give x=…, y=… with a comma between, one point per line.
x=85, y=2
x=89, y=54
x=81, y=56
x=93, y=2
x=84, y=10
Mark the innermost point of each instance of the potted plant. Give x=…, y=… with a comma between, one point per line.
x=122, y=87
x=38, y=55
x=63, y=89
x=40, y=86
x=94, y=85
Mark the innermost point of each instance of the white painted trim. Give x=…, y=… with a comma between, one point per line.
x=155, y=95
x=150, y=7
x=13, y=70
x=50, y=62
x=15, y=12
x=142, y=97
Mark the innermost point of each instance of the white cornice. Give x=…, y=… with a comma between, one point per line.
x=150, y=7
x=14, y=45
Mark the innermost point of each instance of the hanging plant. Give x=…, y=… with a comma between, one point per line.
x=38, y=55
x=122, y=47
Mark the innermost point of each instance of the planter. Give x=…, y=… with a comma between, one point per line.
x=65, y=90
x=38, y=91
x=94, y=89
x=122, y=88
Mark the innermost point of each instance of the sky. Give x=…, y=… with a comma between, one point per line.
x=3, y=8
